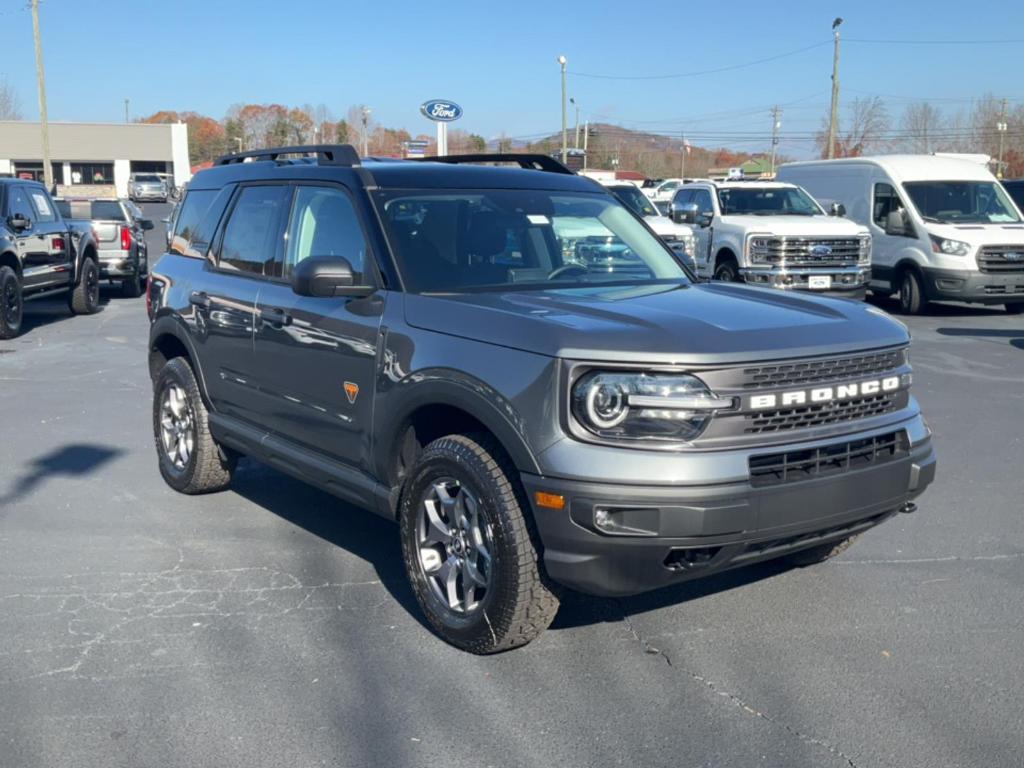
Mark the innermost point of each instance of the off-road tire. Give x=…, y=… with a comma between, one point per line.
x=10, y=321
x=820, y=553
x=911, y=293
x=520, y=601
x=727, y=271
x=1014, y=307
x=134, y=286
x=85, y=296
x=210, y=465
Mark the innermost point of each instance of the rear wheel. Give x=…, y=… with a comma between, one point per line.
x=820, y=553
x=911, y=293
x=11, y=303
x=1015, y=307
x=134, y=286
x=470, y=553
x=727, y=271
x=85, y=298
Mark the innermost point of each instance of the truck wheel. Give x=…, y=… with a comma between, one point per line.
x=820, y=553
x=191, y=461
x=727, y=271
x=85, y=298
x=135, y=285
x=11, y=303
x=912, y=300
x=470, y=552
x=1015, y=308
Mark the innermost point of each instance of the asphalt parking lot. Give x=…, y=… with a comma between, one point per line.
x=272, y=625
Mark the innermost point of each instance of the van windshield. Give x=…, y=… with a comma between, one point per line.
x=766, y=201
x=503, y=239
x=961, y=202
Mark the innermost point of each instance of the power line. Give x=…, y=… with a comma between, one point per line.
x=1004, y=41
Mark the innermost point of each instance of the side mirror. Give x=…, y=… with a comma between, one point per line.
x=683, y=213
x=837, y=209
x=18, y=222
x=896, y=223
x=146, y=224
x=327, y=276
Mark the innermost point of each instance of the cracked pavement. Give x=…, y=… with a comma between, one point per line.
x=271, y=624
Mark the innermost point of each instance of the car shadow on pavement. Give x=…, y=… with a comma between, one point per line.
x=40, y=312
x=65, y=462
x=1016, y=337
x=892, y=306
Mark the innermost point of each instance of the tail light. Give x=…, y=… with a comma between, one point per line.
x=58, y=244
x=126, y=239
x=149, y=296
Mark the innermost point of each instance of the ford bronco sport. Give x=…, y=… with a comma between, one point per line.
x=534, y=411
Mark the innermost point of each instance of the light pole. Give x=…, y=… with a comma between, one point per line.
x=776, y=124
x=565, y=148
x=366, y=136
x=1001, y=128
x=834, y=115
x=41, y=77
x=572, y=101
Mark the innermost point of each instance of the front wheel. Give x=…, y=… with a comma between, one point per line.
x=470, y=553
x=134, y=286
x=85, y=297
x=727, y=271
x=912, y=300
x=11, y=303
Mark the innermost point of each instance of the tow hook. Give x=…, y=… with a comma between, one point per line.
x=908, y=508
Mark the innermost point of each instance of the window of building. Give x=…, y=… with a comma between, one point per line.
x=92, y=173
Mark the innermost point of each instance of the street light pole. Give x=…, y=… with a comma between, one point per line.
x=1001, y=128
x=834, y=115
x=41, y=77
x=776, y=124
x=565, y=147
x=366, y=135
x=576, y=143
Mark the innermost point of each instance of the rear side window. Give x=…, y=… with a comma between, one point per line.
x=196, y=203
x=250, y=242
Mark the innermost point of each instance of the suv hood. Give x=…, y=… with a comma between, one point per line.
x=797, y=226
x=705, y=323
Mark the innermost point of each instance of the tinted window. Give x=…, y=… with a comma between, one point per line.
x=251, y=235
x=961, y=202
x=324, y=223
x=702, y=197
x=192, y=210
x=41, y=204
x=886, y=201
x=108, y=210
x=148, y=178
x=766, y=201
x=17, y=202
x=1016, y=190
x=64, y=206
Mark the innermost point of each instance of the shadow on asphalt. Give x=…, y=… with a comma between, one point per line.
x=892, y=306
x=1016, y=337
x=65, y=462
x=39, y=312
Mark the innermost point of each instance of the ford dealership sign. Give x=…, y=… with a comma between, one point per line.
x=441, y=111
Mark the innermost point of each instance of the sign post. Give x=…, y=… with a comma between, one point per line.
x=441, y=112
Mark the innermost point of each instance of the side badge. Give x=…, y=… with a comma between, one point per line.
x=351, y=391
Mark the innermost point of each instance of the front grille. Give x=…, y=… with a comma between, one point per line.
x=837, y=458
x=809, y=371
x=805, y=251
x=1001, y=259
x=817, y=415
x=1004, y=290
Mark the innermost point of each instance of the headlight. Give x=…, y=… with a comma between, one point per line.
x=661, y=407
x=864, y=254
x=950, y=247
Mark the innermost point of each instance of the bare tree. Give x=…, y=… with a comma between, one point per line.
x=868, y=125
x=10, y=106
x=921, y=125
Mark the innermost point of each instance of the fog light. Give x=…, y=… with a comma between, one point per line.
x=602, y=518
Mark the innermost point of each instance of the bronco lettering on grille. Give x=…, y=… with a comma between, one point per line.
x=825, y=394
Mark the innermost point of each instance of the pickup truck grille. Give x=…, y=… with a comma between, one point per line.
x=820, y=414
x=805, y=251
x=1001, y=259
x=834, y=459
x=833, y=368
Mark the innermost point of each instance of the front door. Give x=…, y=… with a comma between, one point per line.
x=703, y=234
x=317, y=356
x=885, y=249
x=41, y=252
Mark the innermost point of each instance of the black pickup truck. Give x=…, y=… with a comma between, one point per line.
x=42, y=254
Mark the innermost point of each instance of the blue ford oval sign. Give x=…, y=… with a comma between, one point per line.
x=441, y=111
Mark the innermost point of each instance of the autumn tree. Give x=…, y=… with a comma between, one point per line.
x=206, y=136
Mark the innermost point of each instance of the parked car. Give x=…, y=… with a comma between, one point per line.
x=41, y=254
x=664, y=189
x=943, y=227
x=147, y=186
x=678, y=237
x=773, y=235
x=416, y=338
x=120, y=230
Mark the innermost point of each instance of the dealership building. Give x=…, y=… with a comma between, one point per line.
x=95, y=154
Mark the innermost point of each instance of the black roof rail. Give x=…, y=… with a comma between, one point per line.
x=326, y=154
x=524, y=160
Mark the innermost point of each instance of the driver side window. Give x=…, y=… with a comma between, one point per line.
x=886, y=201
x=324, y=223
x=17, y=203
x=702, y=198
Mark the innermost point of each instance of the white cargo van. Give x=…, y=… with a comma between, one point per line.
x=942, y=227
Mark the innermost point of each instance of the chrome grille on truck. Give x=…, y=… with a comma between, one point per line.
x=809, y=371
x=817, y=415
x=1001, y=259
x=805, y=251
x=833, y=459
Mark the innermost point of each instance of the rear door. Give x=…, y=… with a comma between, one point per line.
x=316, y=357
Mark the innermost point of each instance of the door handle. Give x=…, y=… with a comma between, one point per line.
x=274, y=316
x=199, y=299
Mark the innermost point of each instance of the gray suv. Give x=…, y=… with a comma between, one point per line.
x=508, y=362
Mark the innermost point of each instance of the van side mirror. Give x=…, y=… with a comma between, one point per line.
x=146, y=224
x=837, y=209
x=896, y=223
x=683, y=213
x=18, y=222
x=327, y=276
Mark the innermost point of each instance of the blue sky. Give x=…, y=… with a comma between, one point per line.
x=498, y=60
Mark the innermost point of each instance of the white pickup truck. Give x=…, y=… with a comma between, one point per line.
x=774, y=235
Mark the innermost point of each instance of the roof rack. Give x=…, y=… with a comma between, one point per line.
x=529, y=161
x=326, y=154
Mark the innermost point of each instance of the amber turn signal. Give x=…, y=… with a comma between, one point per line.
x=549, y=500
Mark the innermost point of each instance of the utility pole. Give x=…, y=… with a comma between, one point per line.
x=586, y=135
x=776, y=124
x=41, y=76
x=565, y=147
x=682, y=155
x=126, y=119
x=365, y=111
x=834, y=117
x=576, y=143
x=1001, y=127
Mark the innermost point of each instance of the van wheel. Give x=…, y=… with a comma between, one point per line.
x=12, y=304
x=911, y=293
x=191, y=461
x=85, y=297
x=470, y=553
x=1015, y=308
x=727, y=271
x=820, y=553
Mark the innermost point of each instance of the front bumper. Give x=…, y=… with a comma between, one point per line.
x=676, y=533
x=973, y=286
x=150, y=194
x=848, y=282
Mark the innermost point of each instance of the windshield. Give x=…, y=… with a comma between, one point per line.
x=148, y=179
x=961, y=202
x=634, y=199
x=497, y=239
x=766, y=201
x=1016, y=190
